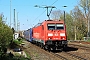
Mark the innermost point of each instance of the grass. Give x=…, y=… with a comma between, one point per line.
x=16, y=57
x=21, y=57
x=28, y=56
x=17, y=41
x=88, y=40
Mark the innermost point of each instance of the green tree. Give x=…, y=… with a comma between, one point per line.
x=58, y=14
x=77, y=21
x=69, y=25
x=6, y=35
x=13, y=30
x=85, y=5
x=80, y=28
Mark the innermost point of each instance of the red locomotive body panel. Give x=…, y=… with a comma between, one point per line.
x=51, y=33
x=38, y=33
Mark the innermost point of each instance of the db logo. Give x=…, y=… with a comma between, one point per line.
x=56, y=34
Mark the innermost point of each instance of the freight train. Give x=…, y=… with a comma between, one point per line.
x=50, y=34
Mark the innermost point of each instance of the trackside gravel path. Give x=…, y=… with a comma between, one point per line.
x=37, y=53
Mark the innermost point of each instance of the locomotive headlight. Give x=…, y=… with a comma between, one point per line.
x=50, y=34
x=62, y=34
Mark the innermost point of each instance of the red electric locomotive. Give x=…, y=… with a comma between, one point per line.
x=50, y=34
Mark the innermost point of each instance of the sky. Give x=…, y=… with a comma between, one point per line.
x=27, y=14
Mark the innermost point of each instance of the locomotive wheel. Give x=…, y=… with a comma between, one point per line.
x=61, y=49
x=41, y=45
x=46, y=47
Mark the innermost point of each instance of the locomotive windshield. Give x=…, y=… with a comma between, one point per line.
x=55, y=26
x=51, y=26
x=59, y=26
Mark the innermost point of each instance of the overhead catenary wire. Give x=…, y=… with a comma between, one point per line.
x=44, y=11
x=38, y=16
x=41, y=13
x=54, y=2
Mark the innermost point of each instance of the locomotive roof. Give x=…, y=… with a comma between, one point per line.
x=50, y=21
x=54, y=21
x=38, y=24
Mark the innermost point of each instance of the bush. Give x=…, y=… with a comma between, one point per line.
x=6, y=36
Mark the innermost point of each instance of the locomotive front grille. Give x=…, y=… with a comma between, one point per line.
x=57, y=42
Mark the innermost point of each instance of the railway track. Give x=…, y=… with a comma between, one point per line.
x=60, y=55
x=37, y=53
x=76, y=55
x=80, y=47
x=82, y=51
x=68, y=56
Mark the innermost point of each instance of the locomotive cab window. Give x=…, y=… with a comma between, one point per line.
x=51, y=26
x=59, y=26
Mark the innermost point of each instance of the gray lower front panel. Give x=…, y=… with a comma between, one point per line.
x=56, y=42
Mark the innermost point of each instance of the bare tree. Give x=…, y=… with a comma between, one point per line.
x=56, y=14
x=79, y=23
